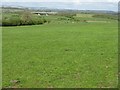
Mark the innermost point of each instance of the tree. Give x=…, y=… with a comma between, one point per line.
x=26, y=18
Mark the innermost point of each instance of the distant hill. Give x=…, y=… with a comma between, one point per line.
x=14, y=8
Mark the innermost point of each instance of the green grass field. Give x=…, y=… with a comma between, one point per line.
x=61, y=55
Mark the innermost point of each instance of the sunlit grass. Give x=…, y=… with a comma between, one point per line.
x=61, y=55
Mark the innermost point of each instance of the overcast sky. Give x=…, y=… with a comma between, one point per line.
x=111, y=5
x=77, y=1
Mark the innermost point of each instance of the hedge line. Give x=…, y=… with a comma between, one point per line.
x=22, y=19
x=113, y=17
x=19, y=22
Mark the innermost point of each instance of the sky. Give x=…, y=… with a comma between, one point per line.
x=76, y=1
x=111, y=5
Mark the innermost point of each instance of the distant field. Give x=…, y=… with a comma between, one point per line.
x=84, y=15
x=61, y=55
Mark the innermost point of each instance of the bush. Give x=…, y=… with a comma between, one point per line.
x=62, y=18
x=25, y=18
x=114, y=17
x=11, y=22
x=67, y=14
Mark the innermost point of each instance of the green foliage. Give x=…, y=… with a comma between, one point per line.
x=24, y=18
x=67, y=14
x=107, y=16
x=64, y=18
x=14, y=21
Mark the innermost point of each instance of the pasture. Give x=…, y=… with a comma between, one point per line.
x=55, y=55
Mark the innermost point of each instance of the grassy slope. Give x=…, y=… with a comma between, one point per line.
x=61, y=55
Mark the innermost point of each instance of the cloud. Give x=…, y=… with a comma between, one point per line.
x=89, y=5
x=74, y=1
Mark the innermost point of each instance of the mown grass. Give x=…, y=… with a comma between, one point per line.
x=61, y=55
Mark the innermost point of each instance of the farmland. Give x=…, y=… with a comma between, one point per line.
x=80, y=52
